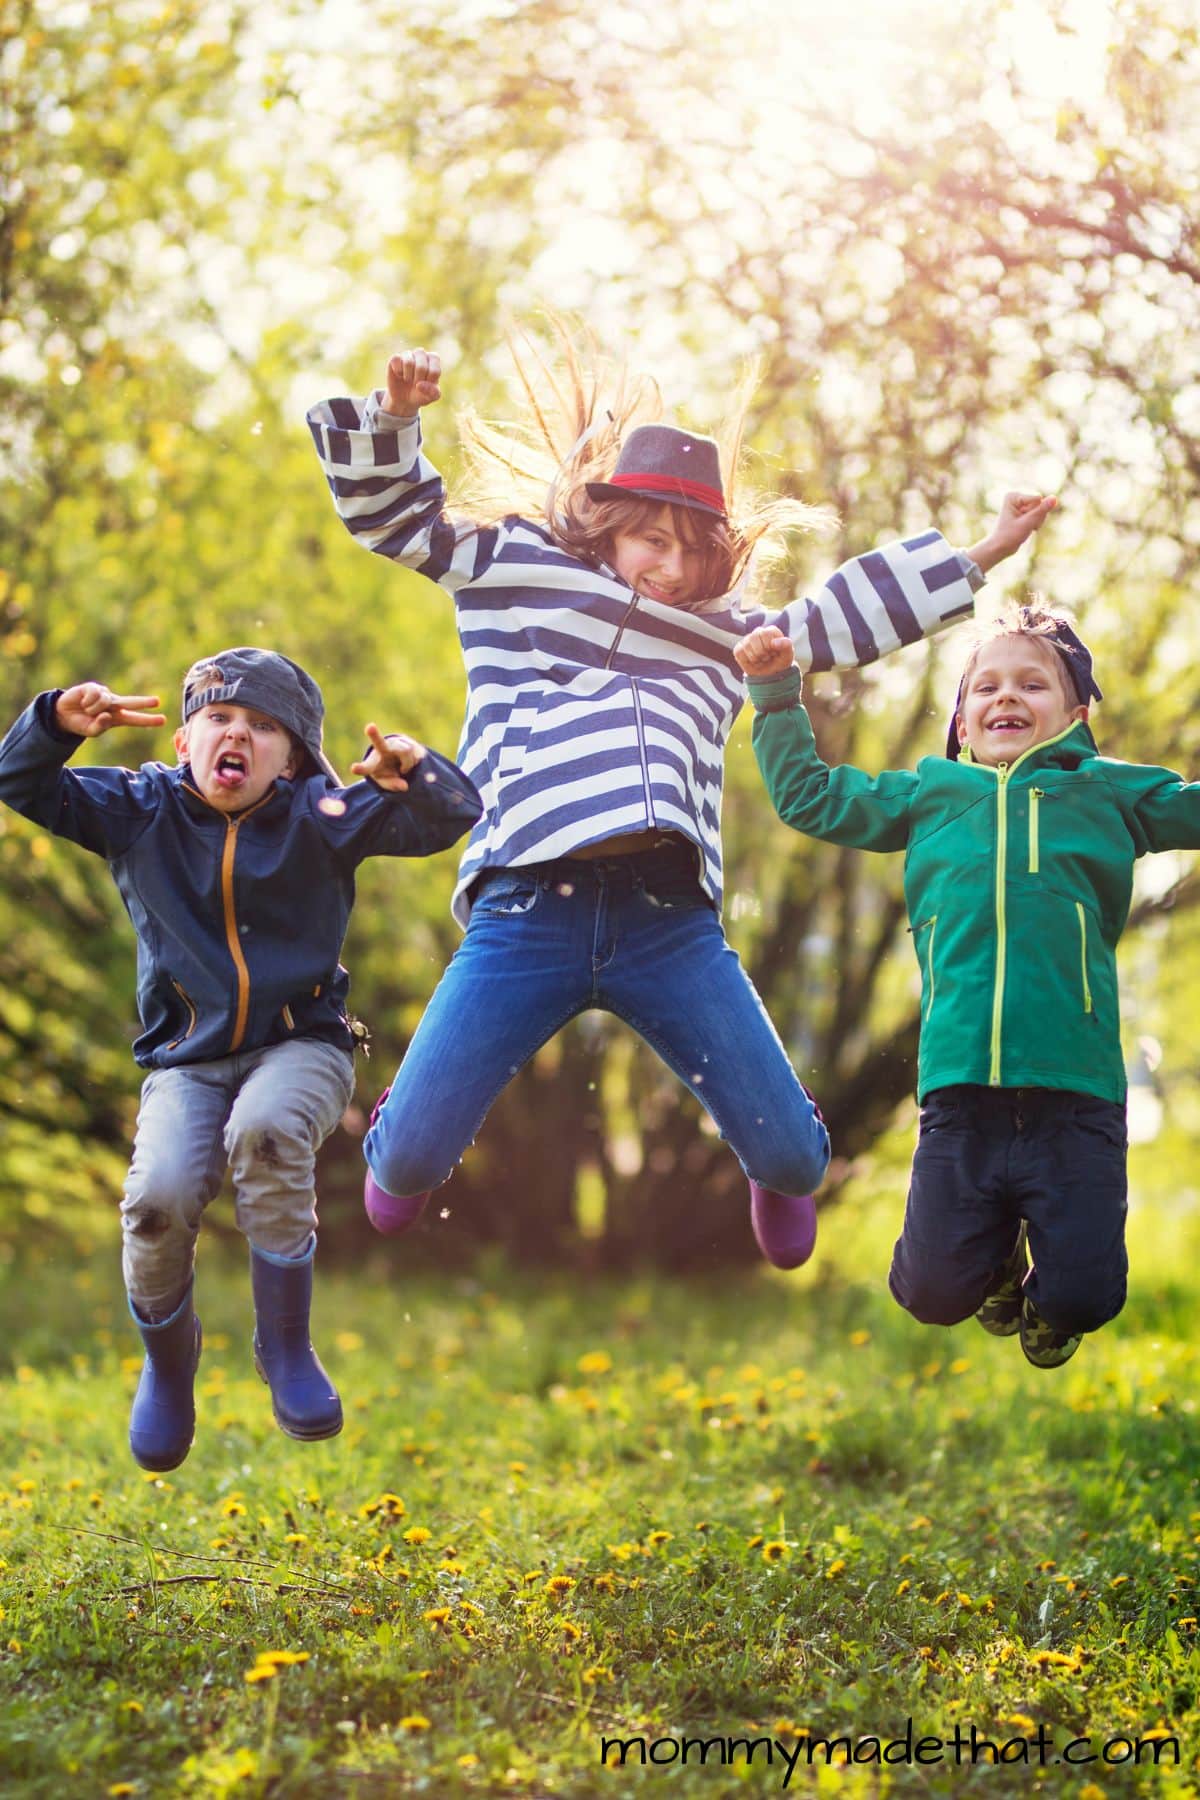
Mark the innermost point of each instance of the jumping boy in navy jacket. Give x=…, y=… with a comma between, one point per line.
x=237, y=870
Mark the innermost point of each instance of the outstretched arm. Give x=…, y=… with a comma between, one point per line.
x=901, y=592
x=104, y=809
x=387, y=493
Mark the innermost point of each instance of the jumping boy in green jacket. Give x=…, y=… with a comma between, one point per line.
x=1019, y=851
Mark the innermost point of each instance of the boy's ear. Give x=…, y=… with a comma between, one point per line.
x=960, y=726
x=181, y=743
x=1080, y=713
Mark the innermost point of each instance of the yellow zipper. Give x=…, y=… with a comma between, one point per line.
x=932, y=924
x=1087, y=992
x=191, y=1026
x=232, y=936
x=1002, y=774
x=1035, y=795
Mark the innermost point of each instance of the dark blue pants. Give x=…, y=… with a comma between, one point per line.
x=986, y=1158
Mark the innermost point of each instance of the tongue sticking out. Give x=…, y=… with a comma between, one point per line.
x=229, y=773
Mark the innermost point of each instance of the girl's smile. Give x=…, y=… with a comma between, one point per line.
x=656, y=561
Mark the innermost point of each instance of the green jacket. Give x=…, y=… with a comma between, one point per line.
x=1017, y=881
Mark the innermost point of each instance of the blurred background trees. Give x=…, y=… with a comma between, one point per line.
x=966, y=265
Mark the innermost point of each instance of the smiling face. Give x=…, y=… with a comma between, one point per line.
x=662, y=556
x=1015, y=696
x=235, y=752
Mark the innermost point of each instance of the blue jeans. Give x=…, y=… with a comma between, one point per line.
x=634, y=936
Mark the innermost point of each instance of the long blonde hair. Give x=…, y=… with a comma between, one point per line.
x=579, y=406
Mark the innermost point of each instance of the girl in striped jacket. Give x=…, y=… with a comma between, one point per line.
x=598, y=629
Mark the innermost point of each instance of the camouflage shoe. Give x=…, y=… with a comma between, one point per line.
x=1044, y=1347
x=1001, y=1311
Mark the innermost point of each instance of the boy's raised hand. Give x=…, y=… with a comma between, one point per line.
x=764, y=652
x=1019, y=517
x=413, y=381
x=389, y=759
x=89, y=709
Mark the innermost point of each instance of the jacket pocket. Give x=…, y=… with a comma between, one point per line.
x=926, y=930
x=1036, y=796
x=191, y=1015
x=1083, y=957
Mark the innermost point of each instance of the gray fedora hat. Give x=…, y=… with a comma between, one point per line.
x=660, y=462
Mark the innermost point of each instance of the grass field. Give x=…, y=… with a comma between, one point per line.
x=758, y=1513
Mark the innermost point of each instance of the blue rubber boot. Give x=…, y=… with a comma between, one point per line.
x=304, y=1400
x=162, y=1422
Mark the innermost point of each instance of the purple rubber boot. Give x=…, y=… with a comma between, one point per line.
x=785, y=1225
x=390, y=1213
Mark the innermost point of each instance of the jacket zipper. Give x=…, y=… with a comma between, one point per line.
x=931, y=921
x=641, y=736
x=616, y=643
x=1002, y=774
x=1035, y=795
x=1087, y=992
x=191, y=1026
x=232, y=936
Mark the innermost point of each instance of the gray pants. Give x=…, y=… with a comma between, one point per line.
x=265, y=1113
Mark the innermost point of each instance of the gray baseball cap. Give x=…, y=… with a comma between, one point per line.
x=272, y=683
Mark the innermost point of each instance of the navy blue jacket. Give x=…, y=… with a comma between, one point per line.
x=239, y=918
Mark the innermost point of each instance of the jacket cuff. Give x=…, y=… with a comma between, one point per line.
x=776, y=693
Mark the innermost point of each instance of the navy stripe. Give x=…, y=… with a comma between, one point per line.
x=818, y=637
x=960, y=611
x=943, y=574
x=570, y=813
x=919, y=543
x=866, y=650
x=901, y=614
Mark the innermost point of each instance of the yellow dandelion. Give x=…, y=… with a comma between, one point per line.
x=903, y=1587
x=859, y=1338
x=281, y=1659
x=232, y=1508
x=30, y=1487
x=1022, y=1721
x=1090, y=1791
x=388, y=1506
x=597, y=1673
x=702, y=1525
x=415, y=1722
x=120, y=1787
x=964, y=1600
x=659, y=1537
x=835, y=1567
x=468, y=1761
x=132, y=1706
x=15, y=1645
x=260, y=1672
x=533, y=1575
x=296, y=1537
x=570, y=1630
x=417, y=1534
x=775, y=1551
x=560, y=1584
x=348, y=1341
x=752, y=1543
x=1118, y=1581
x=605, y=1584
x=622, y=1552
x=448, y=1566
x=595, y=1362
x=436, y=1615
x=514, y=1468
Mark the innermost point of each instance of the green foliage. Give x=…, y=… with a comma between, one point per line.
x=955, y=284
x=766, y=1507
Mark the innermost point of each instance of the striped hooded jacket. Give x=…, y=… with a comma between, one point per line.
x=593, y=711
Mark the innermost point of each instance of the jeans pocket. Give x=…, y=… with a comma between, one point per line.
x=671, y=892
x=939, y=1112
x=506, y=894
x=1101, y=1119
